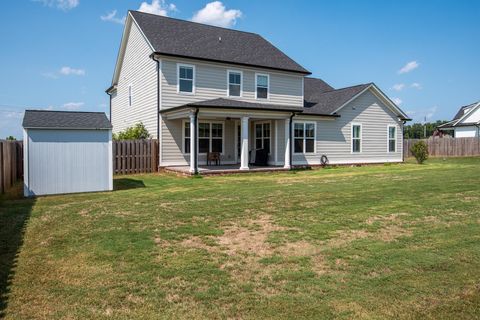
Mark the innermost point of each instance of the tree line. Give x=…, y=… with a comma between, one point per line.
x=420, y=131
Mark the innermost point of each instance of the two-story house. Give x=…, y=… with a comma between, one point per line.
x=201, y=89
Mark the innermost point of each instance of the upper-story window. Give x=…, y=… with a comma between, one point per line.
x=186, y=78
x=234, y=83
x=262, y=82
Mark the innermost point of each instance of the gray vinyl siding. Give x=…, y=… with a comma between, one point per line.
x=66, y=161
x=139, y=71
x=211, y=83
x=333, y=137
x=172, y=143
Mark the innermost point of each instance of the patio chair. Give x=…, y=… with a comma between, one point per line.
x=213, y=156
x=261, y=157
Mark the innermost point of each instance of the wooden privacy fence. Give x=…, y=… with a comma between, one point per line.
x=446, y=146
x=135, y=156
x=11, y=163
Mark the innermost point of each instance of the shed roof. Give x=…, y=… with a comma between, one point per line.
x=42, y=119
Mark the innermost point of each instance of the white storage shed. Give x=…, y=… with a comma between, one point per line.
x=66, y=152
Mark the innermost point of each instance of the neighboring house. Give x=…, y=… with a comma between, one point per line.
x=200, y=88
x=466, y=123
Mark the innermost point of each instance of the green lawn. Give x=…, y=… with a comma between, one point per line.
x=393, y=241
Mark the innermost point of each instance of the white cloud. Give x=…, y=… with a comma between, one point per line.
x=50, y=75
x=112, y=17
x=64, y=5
x=416, y=85
x=71, y=106
x=71, y=71
x=215, y=13
x=397, y=101
x=158, y=7
x=412, y=65
x=398, y=86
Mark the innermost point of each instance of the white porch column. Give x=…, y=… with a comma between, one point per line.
x=192, y=143
x=244, y=148
x=287, y=144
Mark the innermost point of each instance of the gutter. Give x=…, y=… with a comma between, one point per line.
x=297, y=111
x=306, y=72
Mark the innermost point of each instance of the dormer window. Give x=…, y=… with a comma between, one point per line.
x=186, y=78
x=262, y=82
x=234, y=83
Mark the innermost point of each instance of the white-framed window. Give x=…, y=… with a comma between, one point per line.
x=210, y=136
x=186, y=78
x=234, y=83
x=356, y=137
x=262, y=83
x=263, y=136
x=392, y=138
x=304, y=137
x=129, y=95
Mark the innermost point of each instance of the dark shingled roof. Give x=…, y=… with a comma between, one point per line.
x=195, y=40
x=236, y=104
x=320, y=100
x=461, y=111
x=65, y=120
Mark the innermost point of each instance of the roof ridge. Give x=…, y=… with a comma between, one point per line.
x=357, y=85
x=193, y=22
x=64, y=111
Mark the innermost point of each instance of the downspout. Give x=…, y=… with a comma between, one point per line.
x=110, y=117
x=403, y=141
x=195, y=146
x=158, y=97
x=290, y=155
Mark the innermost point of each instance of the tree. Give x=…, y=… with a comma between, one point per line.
x=138, y=131
x=11, y=138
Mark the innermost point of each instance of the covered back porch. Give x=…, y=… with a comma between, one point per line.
x=192, y=133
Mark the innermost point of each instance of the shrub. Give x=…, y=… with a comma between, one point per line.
x=420, y=151
x=138, y=131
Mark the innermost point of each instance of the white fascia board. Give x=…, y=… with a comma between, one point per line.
x=379, y=94
x=466, y=115
x=123, y=45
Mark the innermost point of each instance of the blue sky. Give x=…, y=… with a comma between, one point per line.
x=60, y=54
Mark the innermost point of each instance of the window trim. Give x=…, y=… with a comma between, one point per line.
x=130, y=95
x=388, y=138
x=255, y=134
x=305, y=138
x=228, y=82
x=222, y=122
x=268, y=86
x=351, y=137
x=179, y=65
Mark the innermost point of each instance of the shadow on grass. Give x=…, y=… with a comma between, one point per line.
x=127, y=183
x=14, y=214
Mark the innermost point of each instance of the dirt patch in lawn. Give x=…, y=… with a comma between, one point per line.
x=251, y=238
